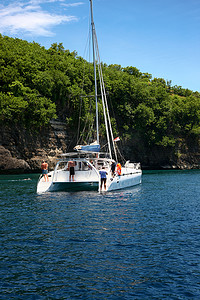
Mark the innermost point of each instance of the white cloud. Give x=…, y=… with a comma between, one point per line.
x=72, y=4
x=44, y=1
x=30, y=18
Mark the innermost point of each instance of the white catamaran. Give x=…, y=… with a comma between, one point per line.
x=88, y=160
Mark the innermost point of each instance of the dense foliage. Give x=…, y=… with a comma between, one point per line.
x=39, y=84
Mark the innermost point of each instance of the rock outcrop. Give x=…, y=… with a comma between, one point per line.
x=9, y=164
x=22, y=150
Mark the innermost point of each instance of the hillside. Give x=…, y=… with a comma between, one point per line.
x=158, y=124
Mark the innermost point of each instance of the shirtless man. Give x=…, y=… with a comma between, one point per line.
x=71, y=166
x=44, y=168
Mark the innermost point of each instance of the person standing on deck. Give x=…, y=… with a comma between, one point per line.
x=113, y=166
x=71, y=166
x=103, y=175
x=119, y=169
x=44, y=167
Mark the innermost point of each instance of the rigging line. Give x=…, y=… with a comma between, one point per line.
x=102, y=95
x=90, y=126
x=104, y=146
x=89, y=133
x=84, y=129
x=120, y=152
x=72, y=141
x=79, y=123
x=117, y=148
x=94, y=63
x=122, y=157
x=82, y=87
x=87, y=49
x=106, y=103
x=105, y=113
x=100, y=65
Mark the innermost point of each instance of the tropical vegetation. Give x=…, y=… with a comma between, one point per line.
x=38, y=85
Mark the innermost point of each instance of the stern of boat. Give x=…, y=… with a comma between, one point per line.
x=42, y=185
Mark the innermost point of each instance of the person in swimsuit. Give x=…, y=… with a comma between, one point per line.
x=71, y=166
x=44, y=167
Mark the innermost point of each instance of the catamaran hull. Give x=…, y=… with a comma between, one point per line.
x=73, y=186
x=120, y=182
x=124, y=181
x=44, y=187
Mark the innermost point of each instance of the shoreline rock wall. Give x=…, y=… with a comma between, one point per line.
x=22, y=151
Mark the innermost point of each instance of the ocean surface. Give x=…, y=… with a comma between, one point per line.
x=139, y=243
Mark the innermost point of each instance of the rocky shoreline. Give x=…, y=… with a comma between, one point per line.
x=22, y=151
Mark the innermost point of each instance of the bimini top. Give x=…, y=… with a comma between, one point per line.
x=85, y=154
x=93, y=147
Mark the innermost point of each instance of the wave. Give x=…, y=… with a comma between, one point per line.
x=25, y=179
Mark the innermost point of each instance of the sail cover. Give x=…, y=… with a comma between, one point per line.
x=93, y=147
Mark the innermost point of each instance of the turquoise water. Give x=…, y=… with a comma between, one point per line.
x=140, y=243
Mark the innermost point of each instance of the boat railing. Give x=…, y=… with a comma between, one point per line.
x=81, y=166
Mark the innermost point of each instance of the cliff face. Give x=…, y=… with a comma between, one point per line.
x=22, y=151
x=185, y=154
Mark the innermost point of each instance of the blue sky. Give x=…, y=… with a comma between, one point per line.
x=158, y=37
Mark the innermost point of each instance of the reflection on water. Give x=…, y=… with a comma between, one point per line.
x=139, y=243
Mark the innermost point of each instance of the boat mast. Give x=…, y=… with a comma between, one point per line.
x=103, y=92
x=95, y=76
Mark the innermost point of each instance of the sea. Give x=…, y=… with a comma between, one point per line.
x=138, y=243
